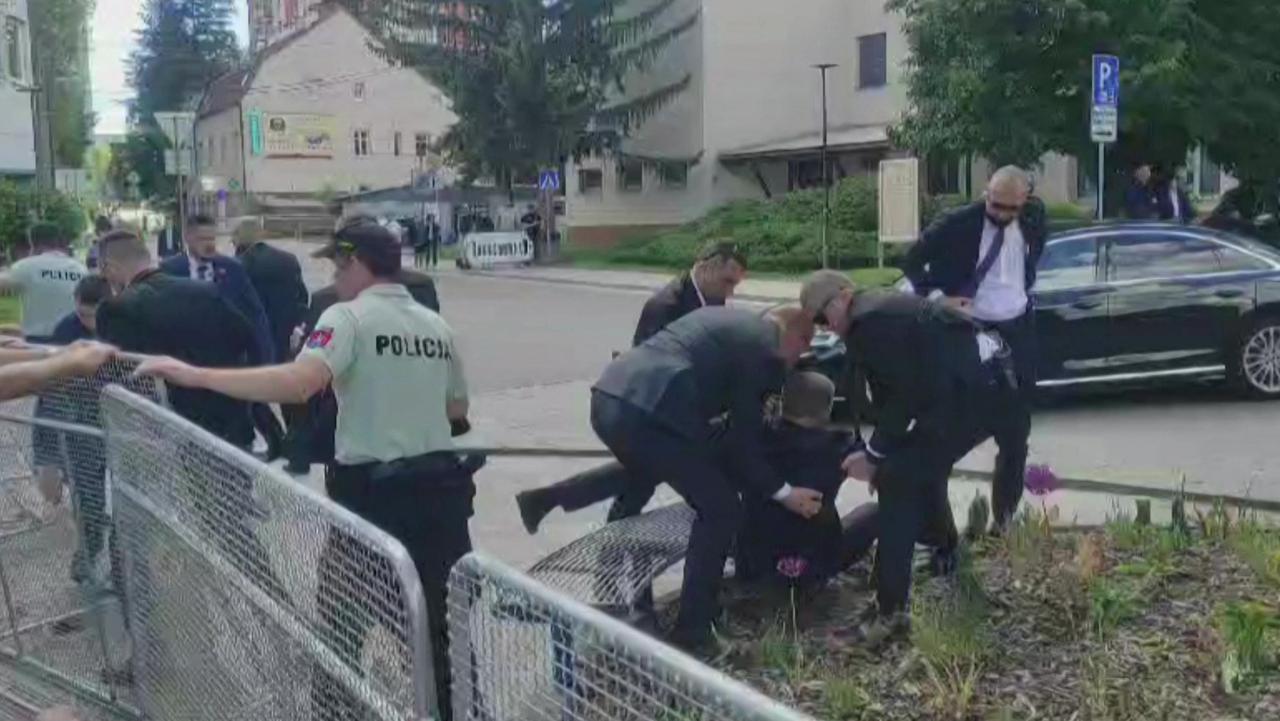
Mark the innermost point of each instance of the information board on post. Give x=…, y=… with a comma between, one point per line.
x=899, y=202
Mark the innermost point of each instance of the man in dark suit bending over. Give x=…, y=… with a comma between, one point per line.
x=982, y=260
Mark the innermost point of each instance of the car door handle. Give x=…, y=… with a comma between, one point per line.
x=1229, y=293
x=1086, y=304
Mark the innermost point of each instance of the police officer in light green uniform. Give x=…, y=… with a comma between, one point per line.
x=398, y=377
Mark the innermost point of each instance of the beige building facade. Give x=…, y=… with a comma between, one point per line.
x=297, y=125
x=750, y=124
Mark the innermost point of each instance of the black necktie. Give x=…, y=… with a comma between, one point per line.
x=988, y=261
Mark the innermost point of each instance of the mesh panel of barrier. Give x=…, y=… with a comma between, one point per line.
x=250, y=596
x=61, y=611
x=616, y=564
x=520, y=650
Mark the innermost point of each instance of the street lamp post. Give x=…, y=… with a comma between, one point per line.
x=826, y=170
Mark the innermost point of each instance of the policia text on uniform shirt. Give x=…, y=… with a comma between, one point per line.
x=412, y=346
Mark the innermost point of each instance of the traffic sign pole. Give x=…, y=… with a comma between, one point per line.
x=1104, y=117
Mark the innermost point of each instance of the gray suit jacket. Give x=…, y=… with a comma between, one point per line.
x=712, y=361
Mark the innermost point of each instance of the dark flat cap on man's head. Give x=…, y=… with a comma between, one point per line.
x=822, y=287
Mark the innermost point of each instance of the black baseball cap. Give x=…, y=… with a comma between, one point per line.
x=367, y=242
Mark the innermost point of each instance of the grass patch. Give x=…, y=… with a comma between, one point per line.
x=10, y=310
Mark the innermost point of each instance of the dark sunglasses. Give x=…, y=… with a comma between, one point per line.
x=1003, y=208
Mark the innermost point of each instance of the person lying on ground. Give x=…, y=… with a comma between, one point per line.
x=805, y=450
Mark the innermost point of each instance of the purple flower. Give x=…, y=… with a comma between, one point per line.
x=793, y=567
x=1040, y=480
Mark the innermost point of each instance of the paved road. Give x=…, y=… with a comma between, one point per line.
x=533, y=348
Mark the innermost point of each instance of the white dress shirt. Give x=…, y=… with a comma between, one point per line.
x=1002, y=295
x=1173, y=202
x=201, y=269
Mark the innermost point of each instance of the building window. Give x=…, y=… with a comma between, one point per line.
x=421, y=144
x=590, y=180
x=395, y=143
x=803, y=174
x=357, y=90
x=362, y=142
x=222, y=150
x=944, y=175
x=631, y=175
x=873, y=61
x=674, y=176
x=15, y=63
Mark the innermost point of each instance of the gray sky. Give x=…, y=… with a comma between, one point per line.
x=115, y=26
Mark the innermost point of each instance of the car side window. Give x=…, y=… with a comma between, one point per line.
x=1068, y=264
x=1152, y=256
x=1235, y=261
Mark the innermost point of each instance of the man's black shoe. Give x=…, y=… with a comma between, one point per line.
x=533, y=508
x=296, y=470
x=943, y=562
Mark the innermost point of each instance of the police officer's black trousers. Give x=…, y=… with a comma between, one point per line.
x=1008, y=417
x=647, y=449
x=428, y=513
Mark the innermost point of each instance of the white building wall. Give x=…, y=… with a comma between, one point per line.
x=17, y=134
x=301, y=77
x=220, y=148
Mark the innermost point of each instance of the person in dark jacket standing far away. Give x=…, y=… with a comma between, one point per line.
x=720, y=267
x=277, y=278
x=1140, y=201
x=925, y=364
x=982, y=261
x=653, y=408
x=398, y=377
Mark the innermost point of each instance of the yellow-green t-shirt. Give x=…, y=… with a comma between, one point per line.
x=395, y=367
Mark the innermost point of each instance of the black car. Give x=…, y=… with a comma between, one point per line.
x=1140, y=302
x=1136, y=302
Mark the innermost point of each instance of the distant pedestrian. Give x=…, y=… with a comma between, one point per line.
x=101, y=226
x=1140, y=199
x=1172, y=201
x=44, y=282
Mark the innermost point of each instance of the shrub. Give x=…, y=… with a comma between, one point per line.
x=22, y=205
x=1245, y=627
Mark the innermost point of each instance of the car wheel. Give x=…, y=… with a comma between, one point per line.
x=1258, y=365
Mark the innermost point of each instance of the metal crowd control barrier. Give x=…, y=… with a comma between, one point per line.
x=61, y=629
x=250, y=596
x=520, y=650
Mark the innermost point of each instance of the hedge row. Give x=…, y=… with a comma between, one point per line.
x=784, y=234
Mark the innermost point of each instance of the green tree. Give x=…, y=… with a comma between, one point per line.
x=1010, y=79
x=182, y=47
x=59, y=33
x=532, y=81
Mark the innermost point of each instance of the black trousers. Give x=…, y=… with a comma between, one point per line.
x=914, y=507
x=647, y=449
x=1007, y=417
x=630, y=492
x=427, y=509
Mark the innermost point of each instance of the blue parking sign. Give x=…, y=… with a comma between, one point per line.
x=1106, y=81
